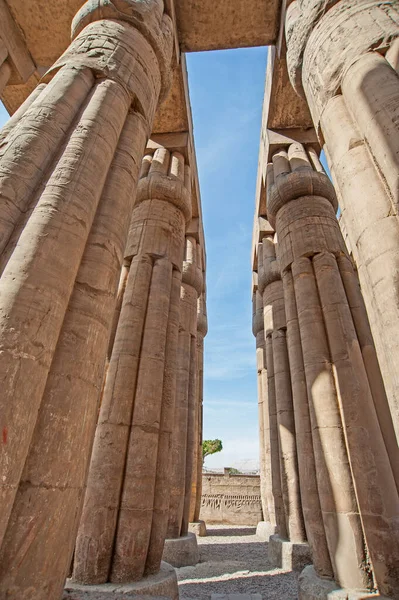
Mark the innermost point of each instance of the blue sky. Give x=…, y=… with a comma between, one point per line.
x=226, y=90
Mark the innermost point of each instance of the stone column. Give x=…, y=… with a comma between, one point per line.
x=196, y=525
x=69, y=168
x=275, y=499
x=290, y=525
x=357, y=491
x=336, y=59
x=124, y=518
x=181, y=546
x=267, y=527
x=5, y=69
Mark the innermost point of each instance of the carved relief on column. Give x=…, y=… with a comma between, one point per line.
x=346, y=431
x=343, y=57
x=275, y=329
x=183, y=434
x=123, y=525
x=258, y=330
x=196, y=486
x=68, y=171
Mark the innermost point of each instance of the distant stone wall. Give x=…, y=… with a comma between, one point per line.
x=231, y=499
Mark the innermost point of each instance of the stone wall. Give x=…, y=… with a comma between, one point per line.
x=231, y=499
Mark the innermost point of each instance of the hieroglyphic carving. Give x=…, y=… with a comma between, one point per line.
x=230, y=501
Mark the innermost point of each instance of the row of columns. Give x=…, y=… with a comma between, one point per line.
x=100, y=383
x=340, y=439
x=124, y=518
x=342, y=57
x=344, y=61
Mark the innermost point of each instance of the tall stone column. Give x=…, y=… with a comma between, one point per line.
x=181, y=546
x=288, y=510
x=343, y=57
x=125, y=514
x=357, y=491
x=196, y=525
x=68, y=172
x=267, y=527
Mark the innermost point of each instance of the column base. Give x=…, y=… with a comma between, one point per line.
x=313, y=587
x=287, y=555
x=264, y=530
x=161, y=586
x=197, y=527
x=181, y=552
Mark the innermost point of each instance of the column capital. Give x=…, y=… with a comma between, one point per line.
x=192, y=273
x=268, y=266
x=325, y=37
x=132, y=47
x=147, y=16
x=257, y=313
x=202, y=319
x=292, y=175
x=166, y=176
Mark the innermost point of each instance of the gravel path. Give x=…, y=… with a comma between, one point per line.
x=234, y=560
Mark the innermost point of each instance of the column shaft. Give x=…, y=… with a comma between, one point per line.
x=375, y=486
x=373, y=230
x=202, y=329
x=66, y=165
x=286, y=429
x=192, y=439
x=313, y=520
x=122, y=529
x=163, y=470
x=345, y=427
x=336, y=59
x=264, y=442
x=183, y=435
x=54, y=475
x=275, y=324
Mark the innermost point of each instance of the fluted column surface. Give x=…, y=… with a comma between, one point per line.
x=183, y=441
x=124, y=519
x=69, y=165
x=346, y=430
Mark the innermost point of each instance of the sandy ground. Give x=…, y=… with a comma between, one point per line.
x=234, y=561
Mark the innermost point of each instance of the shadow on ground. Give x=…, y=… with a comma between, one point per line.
x=271, y=586
x=230, y=531
x=234, y=561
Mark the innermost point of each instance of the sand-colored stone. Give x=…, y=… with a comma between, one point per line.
x=69, y=160
x=352, y=91
x=124, y=519
x=182, y=551
x=275, y=328
x=60, y=263
x=160, y=586
x=310, y=244
x=196, y=479
x=264, y=436
x=306, y=459
x=290, y=556
x=198, y=527
x=231, y=499
x=373, y=233
x=183, y=439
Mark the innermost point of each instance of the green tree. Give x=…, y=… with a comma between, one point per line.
x=234, y=471
x=210, y=447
